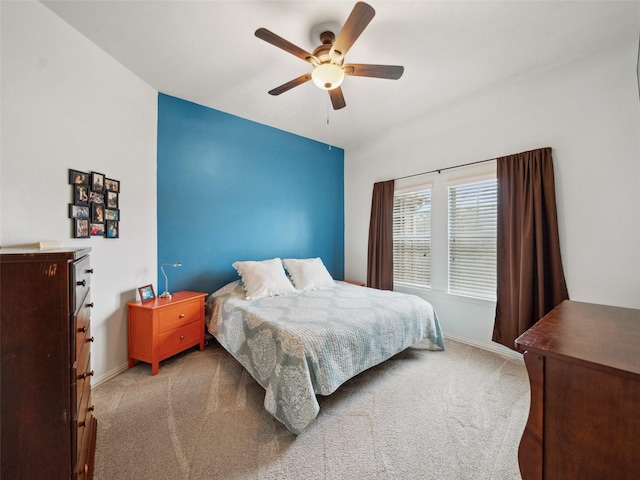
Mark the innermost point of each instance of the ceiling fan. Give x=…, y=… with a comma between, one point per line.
x=329, y=68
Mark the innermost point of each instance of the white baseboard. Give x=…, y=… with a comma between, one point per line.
x=500, y=350
x=109, y=375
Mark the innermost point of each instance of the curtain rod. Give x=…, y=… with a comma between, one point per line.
x=438, y=170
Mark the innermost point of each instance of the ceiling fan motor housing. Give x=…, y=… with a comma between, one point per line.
x=327, y=72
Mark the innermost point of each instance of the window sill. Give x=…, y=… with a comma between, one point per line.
x=445, y=295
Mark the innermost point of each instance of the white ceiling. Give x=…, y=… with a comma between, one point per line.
x=206, y=52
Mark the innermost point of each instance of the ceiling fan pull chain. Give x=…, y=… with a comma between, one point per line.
x=328, y=127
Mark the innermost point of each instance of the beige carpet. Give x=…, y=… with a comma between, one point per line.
x=457, y=414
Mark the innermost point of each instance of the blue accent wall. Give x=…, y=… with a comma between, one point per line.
x=232, y=189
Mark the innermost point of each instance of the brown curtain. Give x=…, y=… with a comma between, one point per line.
x=530, y=278
x=380, y=254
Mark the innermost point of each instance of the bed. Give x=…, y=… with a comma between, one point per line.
x=307, y=342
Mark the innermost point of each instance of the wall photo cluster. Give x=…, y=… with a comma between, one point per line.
x=95, y=209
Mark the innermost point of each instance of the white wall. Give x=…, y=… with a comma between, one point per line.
x=67, y=104
x=588, y=111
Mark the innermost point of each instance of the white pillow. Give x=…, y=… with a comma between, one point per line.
x=308, y=273
x=264, y=279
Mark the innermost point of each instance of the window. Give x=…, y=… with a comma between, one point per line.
x=473, y=211
x=444, y=232
x=412, y=238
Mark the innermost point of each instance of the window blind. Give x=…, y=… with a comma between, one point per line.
x=412, y=238
x=473, y=211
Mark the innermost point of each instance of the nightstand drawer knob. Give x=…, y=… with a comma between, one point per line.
x=181, y=337
x=182, y=315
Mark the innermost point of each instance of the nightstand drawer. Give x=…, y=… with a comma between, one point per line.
x=179, y=338
x=181, y=314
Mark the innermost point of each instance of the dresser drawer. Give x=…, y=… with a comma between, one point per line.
x=182, y=314
x=180, y=338
x=83, y=376
x=81, y=273
x=80, y=424
x=84, y=420
x=85, y=452
x=83, y=339
x=84, y=429
x=81, y=329
x=83, y=371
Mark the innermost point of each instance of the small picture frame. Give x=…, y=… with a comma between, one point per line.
x=78, y=178
x=97, y=213
x=96, y=229
x=77, y=211
x=81, y=195
x=81, y=228
x=146, y=293
x=111, y=214
x=97, y=182
x=112, y=185
x=95, y=197
x=112, y=229
x=112, y=200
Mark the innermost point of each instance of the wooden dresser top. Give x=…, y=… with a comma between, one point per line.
x=604, y=336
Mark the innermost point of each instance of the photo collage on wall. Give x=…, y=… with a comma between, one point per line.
x=94, y=210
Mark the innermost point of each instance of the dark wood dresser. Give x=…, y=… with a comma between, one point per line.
x=48, y=430
x=583, y=362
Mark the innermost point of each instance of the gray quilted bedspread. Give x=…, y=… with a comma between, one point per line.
x=308, y=343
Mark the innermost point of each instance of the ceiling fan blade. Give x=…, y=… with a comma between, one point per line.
x=286, y=45
x=358, y=20
x=337, y=99
x=289, y=85
x=393, y=72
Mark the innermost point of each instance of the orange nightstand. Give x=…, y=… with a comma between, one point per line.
x=160, y=328
x=353, y=282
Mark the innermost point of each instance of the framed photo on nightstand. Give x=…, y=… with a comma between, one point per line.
x=146, y=293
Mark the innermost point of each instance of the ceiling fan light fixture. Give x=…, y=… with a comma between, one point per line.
x=327, y=76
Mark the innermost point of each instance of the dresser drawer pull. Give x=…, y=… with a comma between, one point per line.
x=90, y=270
x=182, y=315
x=83, y=283
x=90, y=339
x=85, y=375
x=90, y=305
x=82, y=329
x=82, y=424
x=91, y=408
x=84, y=471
